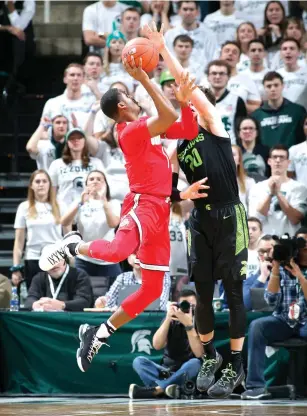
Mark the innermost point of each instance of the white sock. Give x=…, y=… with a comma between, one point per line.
x=105, y=330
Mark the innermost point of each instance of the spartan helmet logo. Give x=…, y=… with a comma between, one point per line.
x=143, y=344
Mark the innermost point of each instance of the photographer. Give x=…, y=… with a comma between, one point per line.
x=260, y=278
x=181, y=344
x=287, y=292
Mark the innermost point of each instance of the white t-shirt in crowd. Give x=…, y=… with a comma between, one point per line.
x=70, y=179
x=253, y=263
x=87, y=92
x=295, y=85
x=102, y=123
x=40, y=231
x=278, y=63
x=99, y=19
x=92, y=223
x=253, y=11
x=249, y=183
x=117, y=73
x=245, y=61
x=257, y=77
x=205, y=44
x=62, y=105
x=244, y=87
x=298, y=161
x=116, y=172
x=45, y=155
x=142, y=96
x=276, y=222
x=223, y=27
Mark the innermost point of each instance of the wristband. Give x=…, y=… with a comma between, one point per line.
x=16, y=268
x=175, y=196
x=189, y=328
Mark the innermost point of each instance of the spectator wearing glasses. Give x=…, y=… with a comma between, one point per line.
x=280, y=119
x=279, y=202
x=259, y=279
x=254, y=232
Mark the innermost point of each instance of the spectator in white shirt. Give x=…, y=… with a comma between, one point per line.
x=37, y=222
x=98, y=22
x=130, y=23
x=257, y=68
x=183, y=48
x=71, y=101
x=294, y=29
x=298, y=159
x=96, y=216
x=294, y=76
x=253, y=10
x=246, y=32
x=255, y=232
x=47, y=142
x=240, y=84
x=68, y=173
x=230, y=106
x=223, y=22
x=113, y=67
x=93, y=86
x=244, y=182
x=205, y=44
x=279, y=202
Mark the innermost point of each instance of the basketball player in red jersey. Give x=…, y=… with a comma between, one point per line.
x=145, y=212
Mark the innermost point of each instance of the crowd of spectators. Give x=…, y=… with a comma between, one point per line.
x=253, y=56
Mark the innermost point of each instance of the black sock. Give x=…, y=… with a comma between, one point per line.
x=209, y=349
x=236, y=360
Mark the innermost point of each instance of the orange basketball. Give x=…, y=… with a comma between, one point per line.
x=141, y=48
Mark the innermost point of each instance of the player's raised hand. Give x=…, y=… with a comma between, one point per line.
x=185, y=88
x=194, y=190
x=134, y=70
x=154, y=36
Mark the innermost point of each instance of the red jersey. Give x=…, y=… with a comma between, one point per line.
x=147, y=164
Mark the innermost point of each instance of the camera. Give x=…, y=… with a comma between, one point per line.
x=287, y=248
x=184, y=306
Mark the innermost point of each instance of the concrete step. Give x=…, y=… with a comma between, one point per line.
x=59, y=46
x=62, y=11
x=58, y=30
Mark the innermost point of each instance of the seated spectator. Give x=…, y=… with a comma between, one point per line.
x=253, y=11
x=244, y=182
x=254, y=232
x=257, y=68
x=37, y=223
x=181, y=360
x=294, y=76
x=286, y=291
x=134, y=277
x=114, y=70
x=224, y=22
x=71, y=101
x=255, y=154
x=274, y=26
x=279, y=202
x=96, y=216
x=93, y=85
x=47, y=142
x=280, y=119
x=161, y=12
x=294, y=29
x=246, y=32
x=205, y=43
x=130, y=23
x=231, y=107
x=68, y=173
x=63, y=288
x=179, y=254
x=297, y=168
x=183, y=48
x=17, y=42
x=5, y=292
x=238, y=83
x=259, y=279
x=98, y=22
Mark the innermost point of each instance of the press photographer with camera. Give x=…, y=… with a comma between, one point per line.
x=287, y=293
x=182, y=354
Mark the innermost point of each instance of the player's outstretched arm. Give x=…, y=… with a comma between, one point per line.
x=166, y=113
x=209, y=117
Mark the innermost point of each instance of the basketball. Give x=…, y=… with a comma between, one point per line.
x=141, y=48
